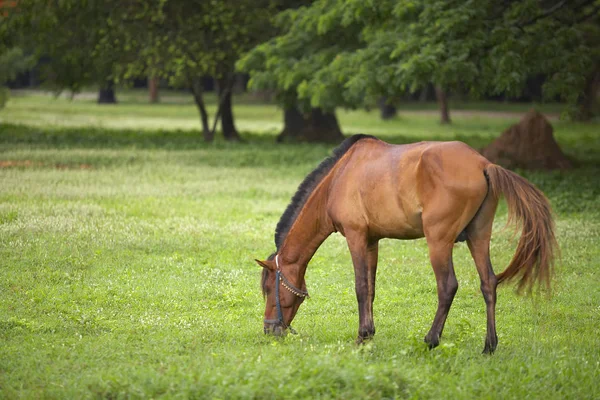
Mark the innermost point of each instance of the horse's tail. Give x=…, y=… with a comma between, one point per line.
x=534, y=259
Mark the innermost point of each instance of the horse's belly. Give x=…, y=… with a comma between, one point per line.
x=393, y=209
x=396, y=226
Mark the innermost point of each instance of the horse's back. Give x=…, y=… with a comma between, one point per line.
x=383, y=189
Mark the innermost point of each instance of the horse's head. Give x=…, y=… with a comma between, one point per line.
x=282, y=297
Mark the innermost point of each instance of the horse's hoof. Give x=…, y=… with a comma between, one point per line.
x=432, y=342
x=365, y=334
x=490, y=345
x=489, y=349
x=362, y=340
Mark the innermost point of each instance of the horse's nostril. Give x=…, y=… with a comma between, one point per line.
x=275, y=330
x=278, y=331
x=270, y=329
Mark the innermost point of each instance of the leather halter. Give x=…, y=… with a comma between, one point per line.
x=281, y=279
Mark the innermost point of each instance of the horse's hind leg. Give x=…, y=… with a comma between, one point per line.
x=478, y=239
x=440, y=253
x=481, y=254
x=364, y=258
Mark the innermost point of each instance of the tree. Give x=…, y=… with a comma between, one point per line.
x=12, y=58
x=333, y=59
x=110, y=41
x=351, y=52
x=79, y=42
x=186, y=41
x=12, y=61
x=285, y=63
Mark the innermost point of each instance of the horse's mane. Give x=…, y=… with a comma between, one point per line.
x=308, y=185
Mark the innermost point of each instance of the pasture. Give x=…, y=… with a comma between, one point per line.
x=127, y=268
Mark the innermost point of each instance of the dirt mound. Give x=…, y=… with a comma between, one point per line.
x=528, y=144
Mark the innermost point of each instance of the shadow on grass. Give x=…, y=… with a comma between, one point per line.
x=576, y=190
x=126, y=146
x=18, y=136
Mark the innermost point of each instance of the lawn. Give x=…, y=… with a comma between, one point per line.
x=126, y=267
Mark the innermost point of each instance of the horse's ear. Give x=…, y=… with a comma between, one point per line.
x=266, y=264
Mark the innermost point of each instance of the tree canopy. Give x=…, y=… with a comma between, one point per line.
x=317, y=55
x=351, y=52
x=92, y=41
x=186, y=41
x=78, y=42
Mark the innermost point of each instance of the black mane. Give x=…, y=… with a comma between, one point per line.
x=307, y=186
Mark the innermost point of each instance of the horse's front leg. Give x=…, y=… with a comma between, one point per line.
x=364, y=258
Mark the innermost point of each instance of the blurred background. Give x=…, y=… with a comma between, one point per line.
x=310, y=58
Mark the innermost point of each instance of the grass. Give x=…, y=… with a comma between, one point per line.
x=126, y=265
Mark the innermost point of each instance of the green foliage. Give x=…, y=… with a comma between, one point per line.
x=127, y=270
x=187, y=40
x=289, y=63
x=103, y=42
x=348, y=53
x=91, y=41
x=12, y=61
x=79, y=41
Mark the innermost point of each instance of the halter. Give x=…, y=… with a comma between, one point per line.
x=280, y=278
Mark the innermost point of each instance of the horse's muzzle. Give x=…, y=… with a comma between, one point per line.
x=274, y=329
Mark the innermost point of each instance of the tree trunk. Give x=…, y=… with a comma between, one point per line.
x=388, y=111
x=153, y=89
x=196, y=87
x=443, y=103
x=225, y=87
x=239, y=83
x=316, y=126
x=424, y=94
x=106, y=95
x=227, y=121
x=324, y=127
x=293, y=123
x=587, y=100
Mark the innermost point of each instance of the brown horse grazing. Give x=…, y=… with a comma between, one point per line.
x=369, y=190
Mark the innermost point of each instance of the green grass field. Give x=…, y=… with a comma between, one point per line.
x=126, y=267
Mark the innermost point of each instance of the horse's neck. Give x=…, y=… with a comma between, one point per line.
x=311, y=227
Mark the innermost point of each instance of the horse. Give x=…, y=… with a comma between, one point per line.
x=447, y=192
